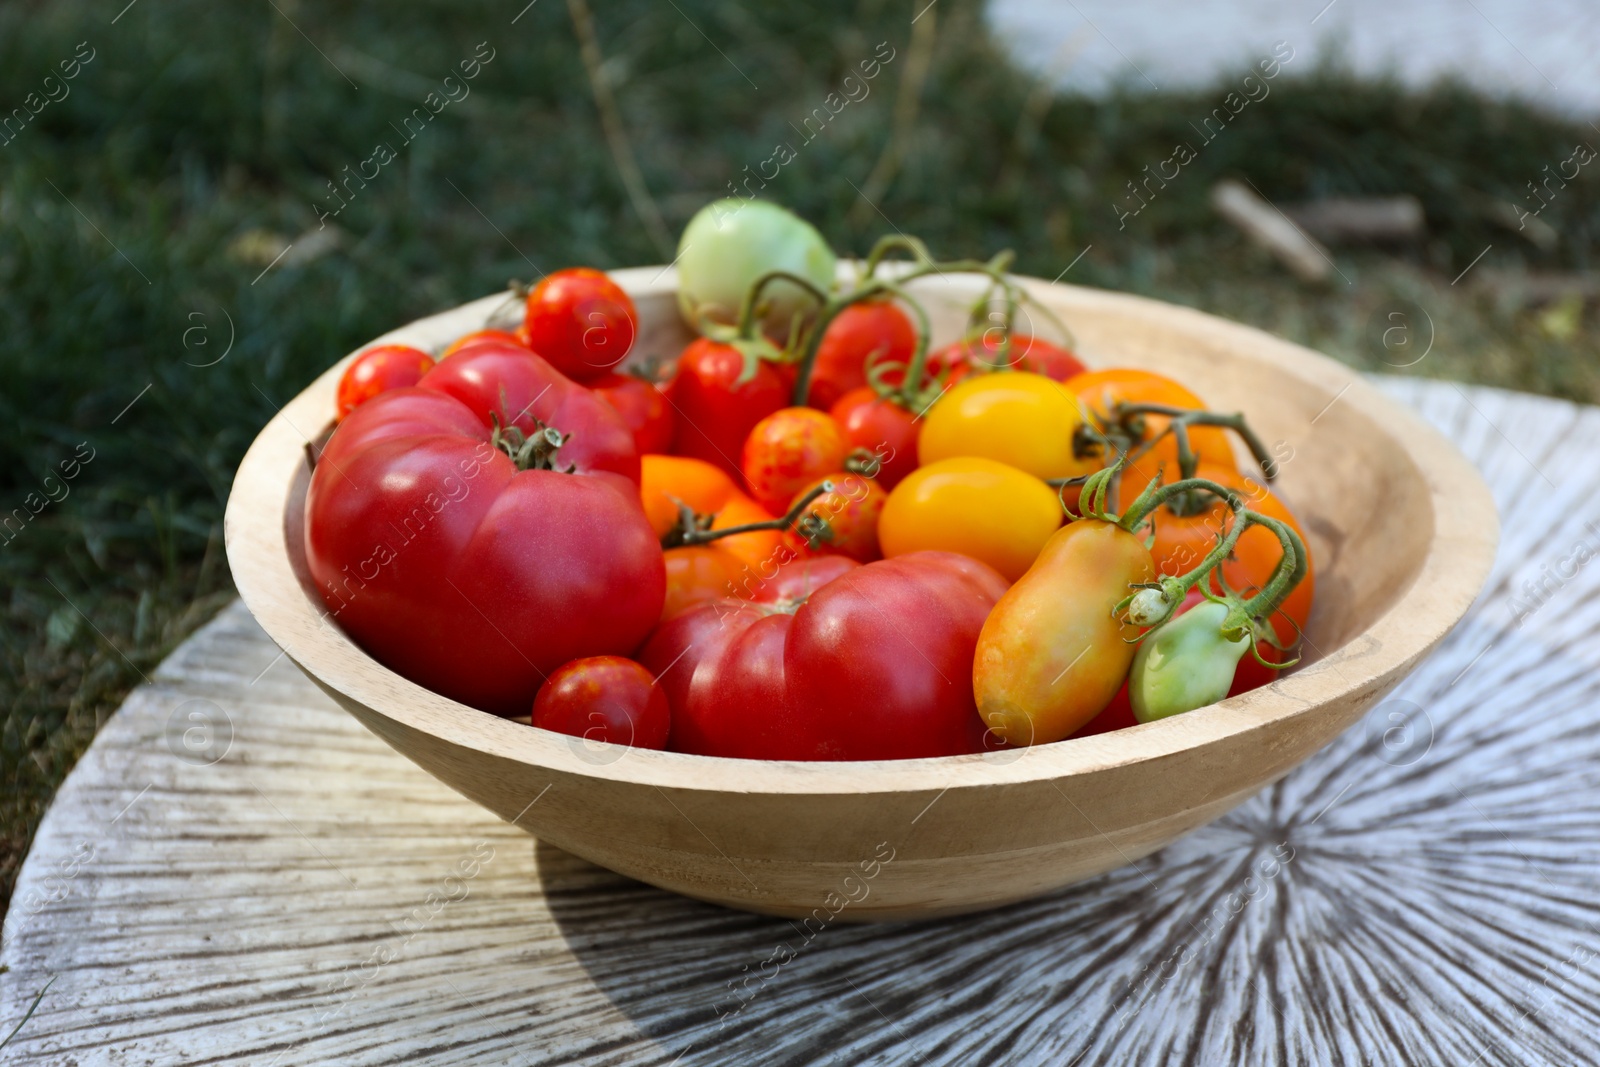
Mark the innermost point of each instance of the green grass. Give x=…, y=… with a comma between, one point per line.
x=126, y=211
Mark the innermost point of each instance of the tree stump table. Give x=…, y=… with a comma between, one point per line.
x=238, y=873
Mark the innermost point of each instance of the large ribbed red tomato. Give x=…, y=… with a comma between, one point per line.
x=468, y=571
x=875, y=664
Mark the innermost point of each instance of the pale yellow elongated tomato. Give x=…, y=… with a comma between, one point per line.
x=1051, y=655
x=973, y=506
x=1014, y=417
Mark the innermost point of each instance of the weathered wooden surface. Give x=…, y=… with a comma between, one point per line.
x=238, y=873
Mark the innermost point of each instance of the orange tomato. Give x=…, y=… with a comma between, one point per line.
x=480, y=336
x=698, y=574
x=1102, y=390
x=709, y=491
x=1181, y=541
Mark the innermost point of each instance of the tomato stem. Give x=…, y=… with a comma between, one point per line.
x=693, y=534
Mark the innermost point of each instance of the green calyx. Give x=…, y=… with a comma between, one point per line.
x=530, y=452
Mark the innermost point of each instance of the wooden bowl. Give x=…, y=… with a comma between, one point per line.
x=1400, y=526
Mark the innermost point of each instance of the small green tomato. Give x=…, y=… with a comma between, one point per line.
x=1184, y=664
x=730, y=243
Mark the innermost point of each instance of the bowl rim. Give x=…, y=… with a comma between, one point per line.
x=1454, y=569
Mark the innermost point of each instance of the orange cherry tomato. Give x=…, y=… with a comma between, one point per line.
x=709, y=491
x=698, y=574
x=1102, y=390
x=851, y=510
x=479, y=337
x=1181, y=541
x=788, y=450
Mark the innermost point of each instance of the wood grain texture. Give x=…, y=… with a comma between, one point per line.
x=1419, y=892
x=1401, y=526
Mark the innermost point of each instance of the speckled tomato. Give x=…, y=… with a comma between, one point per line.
x=788, y=450
x=850, y=511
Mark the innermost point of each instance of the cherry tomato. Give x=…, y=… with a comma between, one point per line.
x=882, y=427
x=851, y=511
x=642, y=406
x=788, y=450
x=947, y=365
x=1052, y=654
x=1027, y=353
x=873, y=330
x=974, y=506
x=1103, y=390
x=874, y=664
x=605, y=699
x=377, y=370
x=468, y=575
x=581, y=321
x=480, y=336
x=708, y=491
x=1017, y=418
x=697, y=574
x=715, y=410
x=1181, y=541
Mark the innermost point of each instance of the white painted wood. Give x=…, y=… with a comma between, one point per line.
x=1421, y=891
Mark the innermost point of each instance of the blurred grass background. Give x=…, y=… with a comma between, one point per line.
x=138, y=216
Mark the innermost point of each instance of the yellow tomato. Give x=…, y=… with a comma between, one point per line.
x=974, y=506
x=1022, y=419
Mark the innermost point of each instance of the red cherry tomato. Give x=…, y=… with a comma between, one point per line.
x=788, y=450
x=876, y=664
x=642, y=406
x=604, y=698
x=874, y=330
x=1027, y=353
x=715, y=411
x=949, y=364
x=581, y=321
x=883, y=428
x=851, y=511
x=377, y=370
x=453, y=567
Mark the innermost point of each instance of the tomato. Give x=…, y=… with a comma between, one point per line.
x=871, y=331
x=604, y=699
x=882, y=427
x=851, y=511
x=697, y=574
x=707, y=490
x=716, y=410
x=729, y=244
x=1102, y=390
x=377, y=370
x=1052, y=654
x=642, y=406
x=1117, y=715
x=450, y=565
x=581, y=321
x=947, y=365
x=874, y=664
x=479, y=337
x=1027, y=353
x=1181, y=541
x=1020, y=419
x=1184, y=664
x=973, y=506
x=788, y=450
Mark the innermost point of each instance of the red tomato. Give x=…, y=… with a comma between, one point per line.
x=851, y=511
x=471, y=577
x=874, y=330
x=377, y=370
x=876, y=664
x=952, y=362
x=715, y=411
x=581, y=321
x=479, y=337
x=642, y=406
x=788, y=450
x=883, y=428
x=604, y=698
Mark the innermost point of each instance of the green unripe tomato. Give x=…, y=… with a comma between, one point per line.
x=1184, y=664
x=730, y=243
